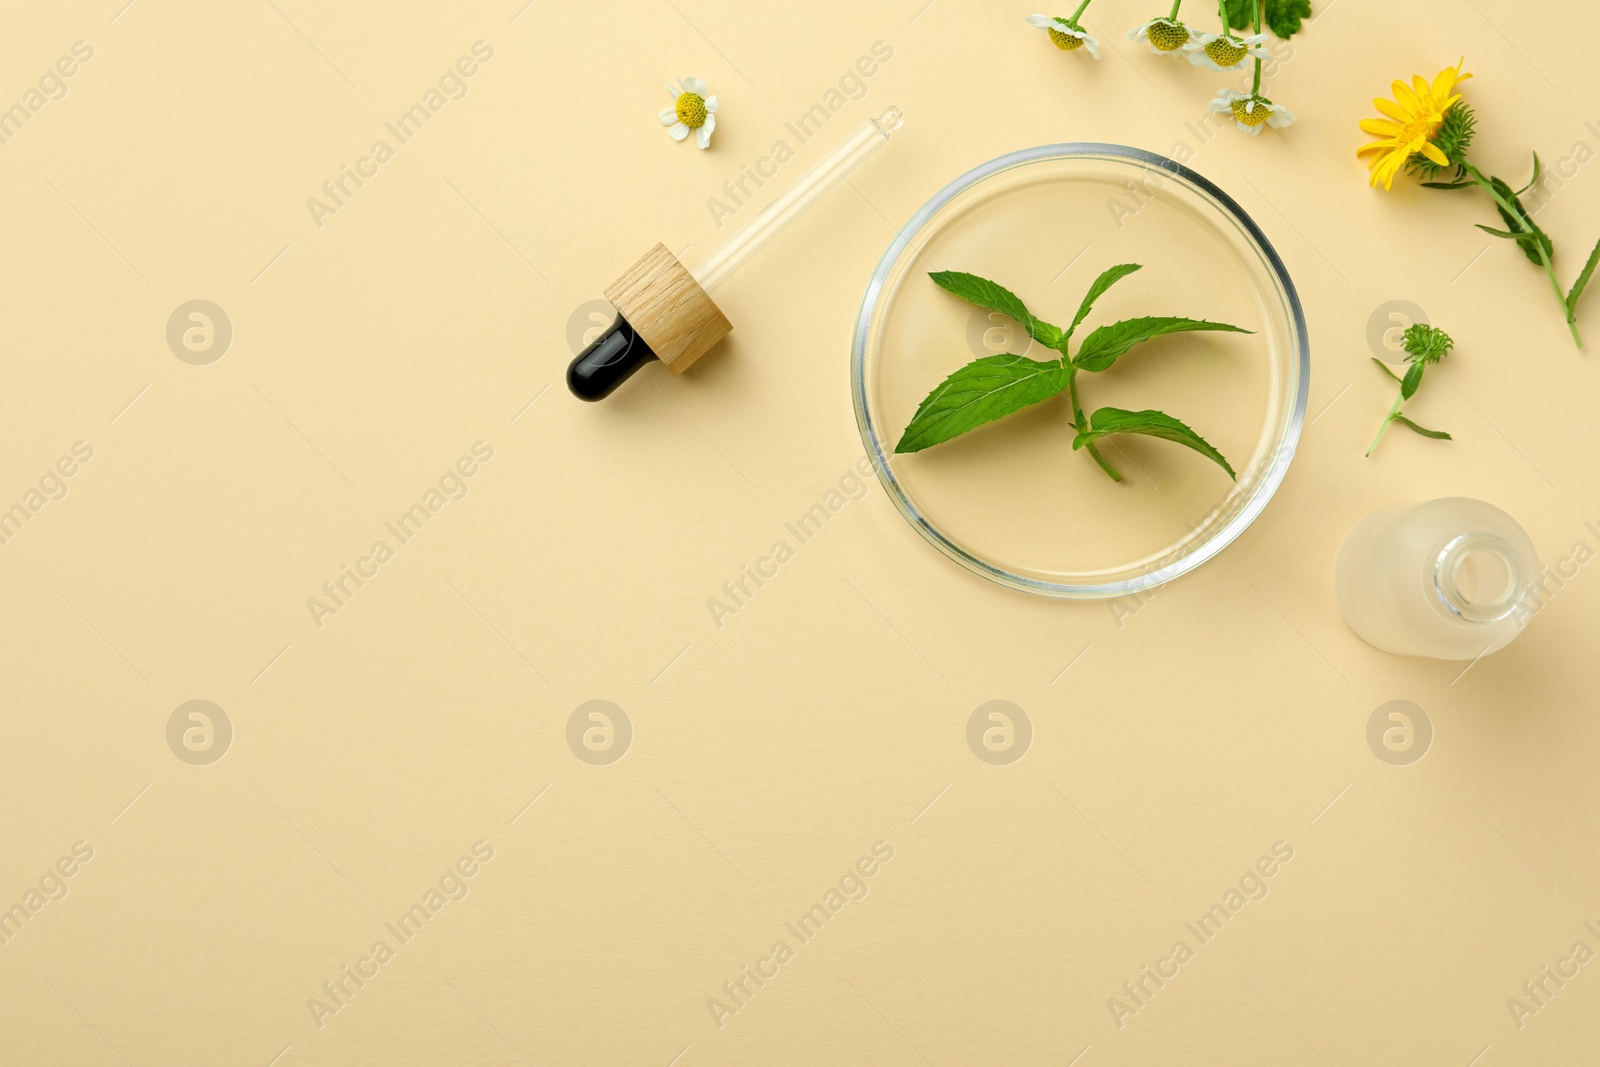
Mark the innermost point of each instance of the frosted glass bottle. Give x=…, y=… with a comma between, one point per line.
x=1450, y=579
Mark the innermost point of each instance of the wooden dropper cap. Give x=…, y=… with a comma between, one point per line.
x=663, y=313
x=668, y=309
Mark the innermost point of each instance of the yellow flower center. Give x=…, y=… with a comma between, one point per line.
x=1420, y=128
x=1250, y=116
x=1167, y=35
x=692, y=110
x=1064, y=41
x=1226, y=51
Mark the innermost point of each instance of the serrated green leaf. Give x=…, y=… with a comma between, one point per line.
x=996, y=297
x=983, y=391
x=1500, y=233
x=1413, y=378
x=1524, y=230
x=1437, y=435
x=1385, y=368
x=1107, y=279
x=1108, y=421
x=1241, y=13
x=1102, y=347
x=1449, y=185
x=1583, y=280
x=1283, y=16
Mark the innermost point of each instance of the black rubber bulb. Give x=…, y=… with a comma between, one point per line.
x=608, y=362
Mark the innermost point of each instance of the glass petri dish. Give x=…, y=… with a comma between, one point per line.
x=1011, y=500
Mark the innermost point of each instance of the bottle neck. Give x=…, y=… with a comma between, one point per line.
x=1478, y=578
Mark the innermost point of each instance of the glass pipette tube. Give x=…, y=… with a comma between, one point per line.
x=828, y=172
x=664, y=310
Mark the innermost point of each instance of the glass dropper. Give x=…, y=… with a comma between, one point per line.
x=829, y=171
x=663, y=308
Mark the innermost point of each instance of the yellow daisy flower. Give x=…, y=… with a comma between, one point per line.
x=1412, y=118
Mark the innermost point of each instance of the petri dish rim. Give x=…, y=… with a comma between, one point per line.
x=1271, y=476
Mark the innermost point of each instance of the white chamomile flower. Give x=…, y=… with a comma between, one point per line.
x=1224, y=51
x=1164, y=35
x=1065, y=34
x=693, y=108
x=1251, y=111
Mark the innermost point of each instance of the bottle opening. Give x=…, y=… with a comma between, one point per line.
x=1479, y=578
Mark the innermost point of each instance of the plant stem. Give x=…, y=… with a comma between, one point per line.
x=1082, y=423
x=1175, y=5
x=1514, y=211
x=1098, y=458
x=1078, y=14
x=1255, y=86
x=1393, y=411
x=1222, y=10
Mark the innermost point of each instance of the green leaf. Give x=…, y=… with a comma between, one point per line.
x=1449, y=185
x=1413, y=378
x=982, y=391
x=1437, y=435
x=1524, y=230
x=1534, y=179
x=1108, y=421
x=1385, y=368
x=1106, y=280
x=1241, y=13
x=1283, y=16
x=1500, y=233
x=1102, y=347
x=1583, y=280
x=987, y=294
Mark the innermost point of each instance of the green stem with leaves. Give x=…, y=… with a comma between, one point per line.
x=1514, y=210
x=1080, y=422
x=1393, y=411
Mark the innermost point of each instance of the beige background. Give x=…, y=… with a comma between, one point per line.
x=1226, y=714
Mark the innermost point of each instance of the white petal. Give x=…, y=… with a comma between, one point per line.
x=695, y=86
x=1040, y=21
x=711, y=102
x=668, y=116
x=1135, y=33
x=704, y=136
x=711, y=123
x=1092, y=45
x=1257, y=39
x=1221, y=106
x=1253, y=131
x=672, y=92
x=1280, y=117
x=678, y=132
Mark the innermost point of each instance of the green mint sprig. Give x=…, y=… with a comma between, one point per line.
x=993, y=387
x=1425, y=345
